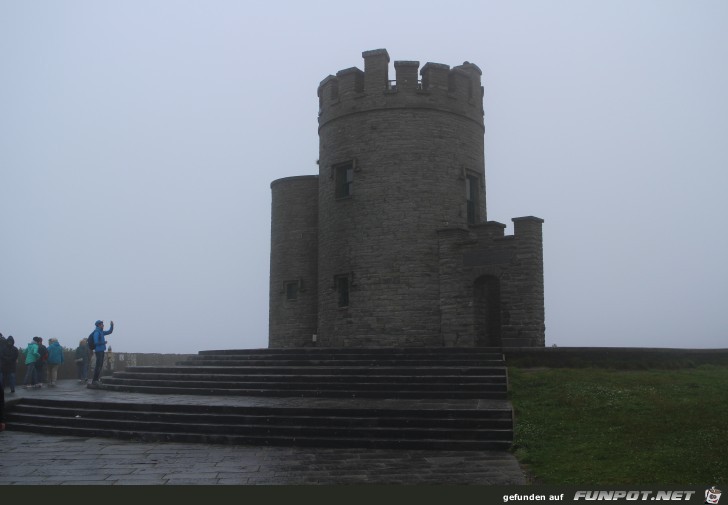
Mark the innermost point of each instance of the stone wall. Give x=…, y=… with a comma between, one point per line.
x=510, y=267
x=623, y=358
x=113, y=362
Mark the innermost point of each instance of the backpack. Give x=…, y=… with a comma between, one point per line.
x=90, y=342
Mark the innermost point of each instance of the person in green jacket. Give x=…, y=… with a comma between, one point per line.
x=31, y=374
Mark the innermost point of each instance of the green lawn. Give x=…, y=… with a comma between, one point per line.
x=605, y=427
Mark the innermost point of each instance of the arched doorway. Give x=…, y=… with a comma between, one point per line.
x=487, y=311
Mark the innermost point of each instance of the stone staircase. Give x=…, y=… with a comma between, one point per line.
x=376, y=398
x=446, y=373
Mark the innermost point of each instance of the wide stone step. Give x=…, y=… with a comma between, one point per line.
x=360, y=351
x=320, y=370
x=293, y=430
x=150, y=387
x=315, y=379
x=306, y=384
x=284, y=440
x=494, y=410
x=337, y=419
x=234, y=361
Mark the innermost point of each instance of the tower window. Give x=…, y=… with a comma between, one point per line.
x=292, y=290
x=471, y=195
x=342, y=290
x=344, y=179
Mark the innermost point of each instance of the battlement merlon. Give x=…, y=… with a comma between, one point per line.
x=407, y=75
x=457, y=90
x=528, y=227
x=376, y=69
x=435, y=76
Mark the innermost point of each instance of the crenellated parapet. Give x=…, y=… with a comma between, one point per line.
x=435, y=86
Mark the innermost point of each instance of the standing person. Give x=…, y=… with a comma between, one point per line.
x=41, y=365
x=3, y=344
x=31, y=358
x=9, y=360
x=98, y=342
x=2, y=374
x=55, y=360
x=82, y=361
x=2, y=409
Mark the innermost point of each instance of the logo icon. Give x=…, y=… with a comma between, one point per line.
x=712, y=496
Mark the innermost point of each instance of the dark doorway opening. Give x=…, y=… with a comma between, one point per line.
x=487, y=307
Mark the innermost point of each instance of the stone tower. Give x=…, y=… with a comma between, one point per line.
x=390, y=244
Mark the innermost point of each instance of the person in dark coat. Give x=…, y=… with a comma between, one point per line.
x=2, y=348
x=8, y=362
x=83, y=357
x=3, y=345
x=41, y=365
x=2, y=409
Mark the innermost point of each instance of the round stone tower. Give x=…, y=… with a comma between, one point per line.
x=292, y=313
x=399, y=160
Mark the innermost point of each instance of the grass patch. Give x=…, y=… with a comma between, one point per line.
x=607, y=427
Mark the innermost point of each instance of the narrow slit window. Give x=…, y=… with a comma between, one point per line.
x=471, y=194
x=342, y=290
x=344, y=179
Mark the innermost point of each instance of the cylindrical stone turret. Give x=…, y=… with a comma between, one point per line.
x=395, y=165
x=293, y=261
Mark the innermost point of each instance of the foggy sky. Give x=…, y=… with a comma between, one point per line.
x=138, y=141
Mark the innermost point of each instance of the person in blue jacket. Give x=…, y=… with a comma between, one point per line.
x=55, y=360
x=99, y=340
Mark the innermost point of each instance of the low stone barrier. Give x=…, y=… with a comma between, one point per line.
x=636, y=358
x=113, y=362
x=628, y=358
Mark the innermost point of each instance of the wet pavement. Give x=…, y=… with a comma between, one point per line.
x=32, y=459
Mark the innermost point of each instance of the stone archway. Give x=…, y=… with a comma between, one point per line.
x=487, y=311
